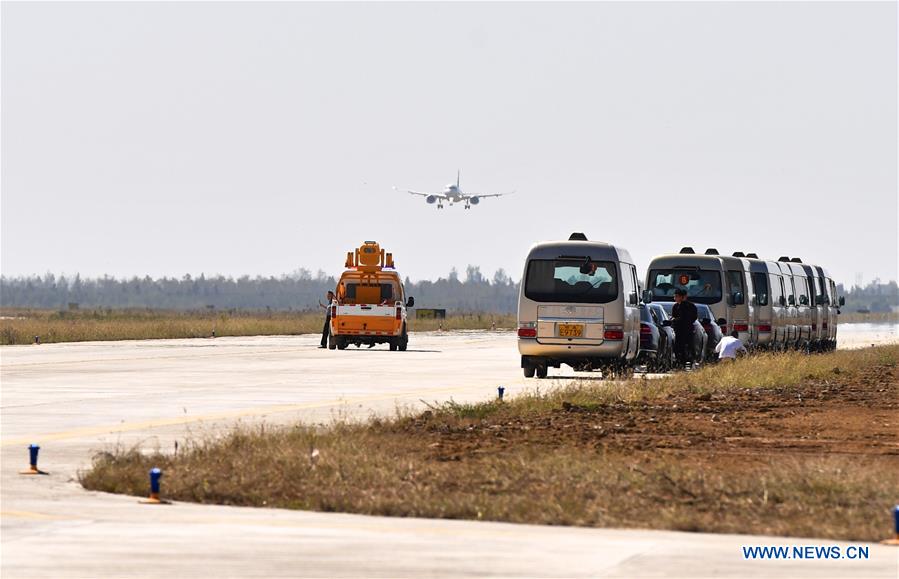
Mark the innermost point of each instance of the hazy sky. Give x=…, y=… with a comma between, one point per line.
x=162, y=138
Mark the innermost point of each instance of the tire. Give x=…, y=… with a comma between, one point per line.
x=332, y=341
x=341, y=343
x=529, y=371
x=393, y=345
x=542, y=371
x=403, y=342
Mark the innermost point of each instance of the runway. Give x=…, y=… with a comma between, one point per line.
x=78, y=399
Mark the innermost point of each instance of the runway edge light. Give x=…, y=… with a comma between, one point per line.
x=153, y=499
x=32, y=461
x=895, y=540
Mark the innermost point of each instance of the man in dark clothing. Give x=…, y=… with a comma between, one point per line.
x=326, y=331
x=683, y=316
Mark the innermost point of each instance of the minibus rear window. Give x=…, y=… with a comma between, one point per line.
x=560, y=280
x=703, y=285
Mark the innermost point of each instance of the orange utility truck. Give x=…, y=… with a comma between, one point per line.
x=370, y=307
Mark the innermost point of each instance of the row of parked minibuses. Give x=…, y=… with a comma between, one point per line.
x=580, y=301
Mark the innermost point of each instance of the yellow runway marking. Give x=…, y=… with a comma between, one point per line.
x=34, y=516
x=281, y=408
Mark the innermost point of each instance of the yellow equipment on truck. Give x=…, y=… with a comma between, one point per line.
x=370, y=307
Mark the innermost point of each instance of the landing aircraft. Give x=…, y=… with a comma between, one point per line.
x=453, y=193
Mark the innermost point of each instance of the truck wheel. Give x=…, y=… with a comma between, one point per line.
x=403, y=342
x=542, y=371
x=341, y=343
x=393, y=345
x=529, y=371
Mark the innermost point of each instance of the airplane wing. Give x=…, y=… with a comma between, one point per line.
x=437, y=195
x=479, y=196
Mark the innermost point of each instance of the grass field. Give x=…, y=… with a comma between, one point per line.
x=788, y=444
x=20, y=326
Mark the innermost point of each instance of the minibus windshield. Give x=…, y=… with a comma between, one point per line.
x=560, y=280
x=703, y=286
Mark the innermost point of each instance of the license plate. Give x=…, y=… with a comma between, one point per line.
x=571, y=330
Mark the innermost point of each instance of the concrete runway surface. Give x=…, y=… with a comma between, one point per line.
x=77, y=399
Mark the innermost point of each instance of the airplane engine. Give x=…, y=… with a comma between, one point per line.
x=475, y=200
x=431, y=199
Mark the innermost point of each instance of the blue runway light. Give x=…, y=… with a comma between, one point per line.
x=895, y=539
x=153, y=499
x=32, y=461
x=155, y=475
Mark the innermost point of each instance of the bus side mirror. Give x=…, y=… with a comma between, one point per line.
x=632, y=298
x=647, y=296
x=803, y=300
x=791, y=301
x=738, y=298
x=410, y=302
x=722, y=322
x=782, y=301
x=666, y=323
x=842, y=301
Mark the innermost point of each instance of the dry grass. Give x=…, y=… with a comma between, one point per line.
x=18, y=326
x=373, y=472
x=781, y=370
x=518, y=460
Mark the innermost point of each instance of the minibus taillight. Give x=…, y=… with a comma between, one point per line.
x=764, y=327
x=399, y=313
x=741, y=327
x=814, y=327
x=527, y=330
x=645, y=330
x=333, y=311
x=613, y=332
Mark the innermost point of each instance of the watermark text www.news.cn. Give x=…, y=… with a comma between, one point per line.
x=811, y=552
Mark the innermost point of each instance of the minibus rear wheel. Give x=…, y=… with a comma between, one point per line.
x=542, y=371
x=529, y=371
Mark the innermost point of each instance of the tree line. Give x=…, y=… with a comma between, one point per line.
x=300, y=290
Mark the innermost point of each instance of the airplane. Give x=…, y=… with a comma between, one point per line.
x=453, y=193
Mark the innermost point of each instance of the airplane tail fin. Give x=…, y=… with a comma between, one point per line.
x=458, y=177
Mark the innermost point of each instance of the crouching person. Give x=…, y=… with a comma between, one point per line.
x=730, y=346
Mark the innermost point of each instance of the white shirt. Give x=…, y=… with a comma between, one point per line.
x=729, y=346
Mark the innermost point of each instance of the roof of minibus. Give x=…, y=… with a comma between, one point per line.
x=596, y=250
x=766, y=265
x=822, y=272
x=674, y=260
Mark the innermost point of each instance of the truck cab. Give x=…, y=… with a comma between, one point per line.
x=370, y=303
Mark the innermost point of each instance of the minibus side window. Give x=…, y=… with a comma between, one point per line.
x=802, y=290
x=777, y=289
x=736, y=295
x=627, y=281
x=760, y=281
x=822, y=291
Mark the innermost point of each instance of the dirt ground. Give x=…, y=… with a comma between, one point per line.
x=827, y=417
